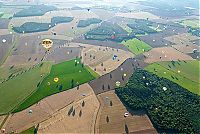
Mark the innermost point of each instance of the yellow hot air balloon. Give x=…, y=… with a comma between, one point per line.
x=47, y=43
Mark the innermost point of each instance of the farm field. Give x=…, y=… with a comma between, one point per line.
x=125, y=27
x=112, y=112
x=189, y=69
x=47, y=107
x=138, y=15
x=72, y=118
x=179, y=73
x=68, y=74
x=120, y=75
x=190, y=23
x=30, y=79
x=136, y=46
x=103, y=59
x=99, y=66
x=29, y=131
x=165, y=54
x=142, y=93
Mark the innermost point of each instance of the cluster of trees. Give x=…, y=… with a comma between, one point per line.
x=108, y=31
x=35, y=10
x=169, y=106
x=87, y=22
x=141, y=27
x=195, y=32
x=30, y=27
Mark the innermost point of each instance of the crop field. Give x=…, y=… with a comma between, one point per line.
x=73, y=117
x=190, y=23
x=112, y=112
x=69, y=74
x=97, y=66
x=186, y=74
x=6, y=47
x=165, y=54
x=121, y=74
x=12, y=96
x=46, y=108
x=104, y=59
x=136, y=46
x=125, y=27
x=138, y=15
x=6, y=71
x=189, y=69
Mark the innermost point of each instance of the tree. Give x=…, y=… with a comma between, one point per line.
x=80, y=113
x=126, y=129
x=83, y=103
x=70, y=111
x=111, y=103
x=107, y=119
x=60, y=87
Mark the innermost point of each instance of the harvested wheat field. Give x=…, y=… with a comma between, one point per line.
x=182, y=39
x=120, y=75
x=27, y=44
x=165, y=54
x=186, y=48
x=104, y=59
x=83, y=14
x=4, y=32
x=111, y=118
x=78, y=117
x=45, y=108
x=26, y=59
x=62, y=54
x=138, y=15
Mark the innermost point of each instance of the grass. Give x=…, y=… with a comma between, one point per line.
x=188, y=77
x=190, y=23
x=155, y=28
x=16, y=39
x=93, y=73
x=136, y=46
x=125, y=27
x=69, y=76
x=138, y=35
x=189, y=69
x=6, y=71
x=6, y=15
x=15, y=90
x=29, y=131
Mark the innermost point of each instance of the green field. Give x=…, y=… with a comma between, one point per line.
x=70, y=74
x=16, y=89
x=155, y=28
x=125, y=27
x=186, y=74
x=190, y=23
x=136, y=46
x=29, y=131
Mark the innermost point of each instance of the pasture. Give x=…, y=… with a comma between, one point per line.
x=186, y=74
x=19, y=87
x=69, y=74
x=136, y=46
